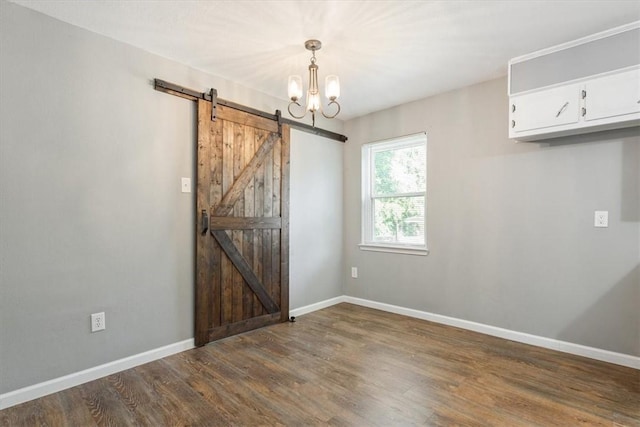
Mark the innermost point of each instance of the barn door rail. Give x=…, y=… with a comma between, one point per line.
x=212, y=96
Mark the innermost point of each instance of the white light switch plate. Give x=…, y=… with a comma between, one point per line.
x=354, y=272
x=601, y=219
x=186, y=185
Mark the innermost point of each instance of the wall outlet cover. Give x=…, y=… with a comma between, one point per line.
x=98, y=322
x=601, y=219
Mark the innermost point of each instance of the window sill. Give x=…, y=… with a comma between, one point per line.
x=406, y=250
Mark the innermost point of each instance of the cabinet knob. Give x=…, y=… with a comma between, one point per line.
x=513, y=108
x=513, y=123
x=584, y=111
x=584, y=94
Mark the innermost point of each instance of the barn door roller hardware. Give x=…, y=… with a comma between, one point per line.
x=212, y=96
x=214, y=103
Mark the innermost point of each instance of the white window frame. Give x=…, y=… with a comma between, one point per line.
x=367, y=242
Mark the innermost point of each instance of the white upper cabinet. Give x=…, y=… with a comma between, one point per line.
x=613, y=96
x=587, y=85
x=545, y=109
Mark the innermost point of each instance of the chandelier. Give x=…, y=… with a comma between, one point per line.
x=331, y=88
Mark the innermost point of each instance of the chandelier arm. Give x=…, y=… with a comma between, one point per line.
x=293, y=115
x=331, y=116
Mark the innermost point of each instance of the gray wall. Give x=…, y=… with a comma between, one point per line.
x=91, y=214
x=510, y=225
x=316, y=256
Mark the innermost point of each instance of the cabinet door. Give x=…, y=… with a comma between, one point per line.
x=547, y=108
x=614, y=95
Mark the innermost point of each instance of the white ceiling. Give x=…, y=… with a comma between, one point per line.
x=385, y=52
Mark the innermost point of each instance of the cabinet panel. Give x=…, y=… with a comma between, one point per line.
x=544, y=109
x=611, y=96
x=583, y=60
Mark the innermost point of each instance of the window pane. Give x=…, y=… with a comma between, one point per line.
x=401, y=170
x=399, y=220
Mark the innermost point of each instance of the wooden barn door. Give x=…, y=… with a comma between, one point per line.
x=242, y=237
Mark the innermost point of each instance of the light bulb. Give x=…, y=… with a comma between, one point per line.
x=313, y=101
x=332, y=87
x=295, y=87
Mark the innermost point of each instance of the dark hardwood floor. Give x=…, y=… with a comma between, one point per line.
x=349, y=365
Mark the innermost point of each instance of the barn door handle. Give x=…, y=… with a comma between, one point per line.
x=205, y=221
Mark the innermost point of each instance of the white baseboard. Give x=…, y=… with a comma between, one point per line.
x=317, y=306
x=58, y=384
x=552, y=344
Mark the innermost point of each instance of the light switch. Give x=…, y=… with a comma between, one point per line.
x=601, y=219
x=186, y=185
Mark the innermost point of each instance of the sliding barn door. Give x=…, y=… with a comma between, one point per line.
x=242, y=237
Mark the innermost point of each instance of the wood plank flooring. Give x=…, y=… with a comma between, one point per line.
x=349, y=365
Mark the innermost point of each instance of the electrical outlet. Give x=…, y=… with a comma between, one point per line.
x=98, y=322
x=354, y=272
x=601, y=219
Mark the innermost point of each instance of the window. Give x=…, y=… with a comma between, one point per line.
x=394, y=186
